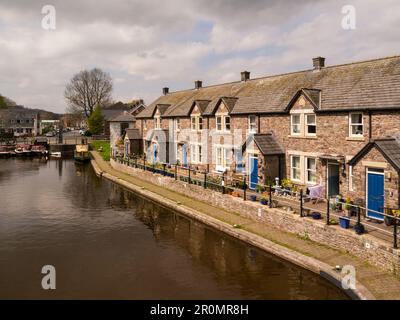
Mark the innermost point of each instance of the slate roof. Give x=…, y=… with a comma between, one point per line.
x=124, y=116
x=389, y=148
x=109, y=114
x=161, y=134
x=373, y=84
x=266, y=143
x=133, y=134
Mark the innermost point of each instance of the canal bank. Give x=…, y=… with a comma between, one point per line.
x=371, y=282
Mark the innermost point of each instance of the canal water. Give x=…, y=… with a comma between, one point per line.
x=107, y=243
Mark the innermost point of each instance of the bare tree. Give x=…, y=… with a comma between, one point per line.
x=88, y=89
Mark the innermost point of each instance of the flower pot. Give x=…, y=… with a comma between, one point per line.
x=264, y=202
x=253, y=198
x=316, y=215
x=344, y=222
x=359, y=228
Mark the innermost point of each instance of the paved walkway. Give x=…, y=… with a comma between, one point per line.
x=381, y=284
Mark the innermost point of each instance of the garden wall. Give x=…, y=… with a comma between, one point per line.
x=367, y=247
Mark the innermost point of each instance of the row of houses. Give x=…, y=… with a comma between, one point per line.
x=336, y=127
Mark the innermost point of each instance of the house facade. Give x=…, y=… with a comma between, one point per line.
x=118, y=127
x=336, y=127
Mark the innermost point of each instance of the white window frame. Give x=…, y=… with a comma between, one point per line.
x=157, y=122
x=193, y=123
x=226, y=158
x=307, y=170
x=199, y=123
x=177, y=124
x=292, y=124
x=196, y=155
x=253, y=127
x=221, y=123
x=297, y=168
x=306, y=124
x=351, y=124
x=225, y=123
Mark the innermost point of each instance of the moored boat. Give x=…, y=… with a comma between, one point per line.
x=23, y=150
x=39, y=150
x=81, y=153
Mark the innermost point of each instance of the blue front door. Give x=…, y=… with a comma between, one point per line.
x=185, y=160
x=253, y=162
x=126, y=149
x=155, y=154
x=375, y=195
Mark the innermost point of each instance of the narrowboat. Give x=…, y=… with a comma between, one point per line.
x=81, y=153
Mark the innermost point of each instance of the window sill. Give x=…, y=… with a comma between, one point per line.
x=303, y=137
x=355, y=138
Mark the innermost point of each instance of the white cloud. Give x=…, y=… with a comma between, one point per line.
x=140, y=42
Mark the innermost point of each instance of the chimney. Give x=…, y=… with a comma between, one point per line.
x=318, y=63
x=245, y=75
x=198, y=84
x=165, y=91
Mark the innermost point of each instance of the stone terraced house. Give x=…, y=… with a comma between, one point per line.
x=331, y=126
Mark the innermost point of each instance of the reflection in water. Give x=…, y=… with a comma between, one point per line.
x=106, y=242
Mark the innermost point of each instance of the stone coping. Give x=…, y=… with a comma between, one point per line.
x=306, y=262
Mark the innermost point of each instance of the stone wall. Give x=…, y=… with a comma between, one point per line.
x=365, y=246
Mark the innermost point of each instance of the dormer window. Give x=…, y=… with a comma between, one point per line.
x=196, y=123
x=157, y=122
x=295, y=124
x=223, y=123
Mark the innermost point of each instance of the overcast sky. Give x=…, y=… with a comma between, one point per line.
x=146, y=45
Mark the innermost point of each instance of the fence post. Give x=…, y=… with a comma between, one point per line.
x=328, y=208
x=270, y=195
x=144, y=162
x=395, y=234
x=135, y=162
x=223, y=183
x=244, y=187
x=358, y=215
x=205, y=180
x=189, y=175
x=301, y=202
x=164, y=165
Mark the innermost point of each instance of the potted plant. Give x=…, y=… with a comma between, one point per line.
x=349, y=207
x=359, y=228
x=264, y=201
x=253, y=197
x=344, y=222
x=315, y=215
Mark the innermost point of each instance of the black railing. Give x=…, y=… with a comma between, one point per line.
x=270, y=195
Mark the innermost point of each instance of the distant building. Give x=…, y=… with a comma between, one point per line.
x=110, y=112
x=118, y=126
x=20, y=121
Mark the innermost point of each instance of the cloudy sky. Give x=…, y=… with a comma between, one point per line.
x=146, y=45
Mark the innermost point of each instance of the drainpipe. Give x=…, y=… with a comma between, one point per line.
x=370, y=125
x=259, y=124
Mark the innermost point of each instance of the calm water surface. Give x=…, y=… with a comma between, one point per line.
x=105, y=242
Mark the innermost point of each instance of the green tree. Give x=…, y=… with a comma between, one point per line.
x=3, y=103
x=96, y=121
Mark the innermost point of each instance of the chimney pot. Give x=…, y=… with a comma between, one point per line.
x=165, y=91
x=318, y=63
x=245, y=75
x=198, y=84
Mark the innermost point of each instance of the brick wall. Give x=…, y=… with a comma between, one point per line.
x=366, y=247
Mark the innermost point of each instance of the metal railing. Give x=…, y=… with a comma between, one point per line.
x=270, y=195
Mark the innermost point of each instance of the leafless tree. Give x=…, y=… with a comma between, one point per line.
x=87, y=89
